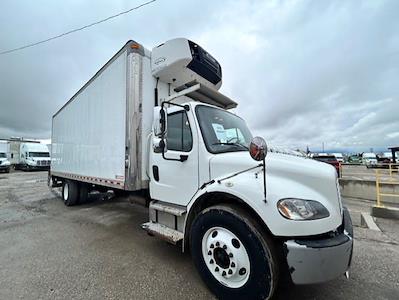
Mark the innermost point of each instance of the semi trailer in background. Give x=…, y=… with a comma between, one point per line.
x=154, y=124
x=5, y=156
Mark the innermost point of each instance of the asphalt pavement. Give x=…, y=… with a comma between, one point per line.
x=98, y=251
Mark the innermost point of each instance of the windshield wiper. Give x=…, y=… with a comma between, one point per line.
x=231, y=144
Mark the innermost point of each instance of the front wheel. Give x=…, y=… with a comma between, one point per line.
x=233, y=257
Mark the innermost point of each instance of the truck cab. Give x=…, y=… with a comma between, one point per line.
x=203, y=179
x=34, y=156
x=4, y=155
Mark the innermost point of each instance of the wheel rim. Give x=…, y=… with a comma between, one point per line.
x=66, y=191
x=226, y=257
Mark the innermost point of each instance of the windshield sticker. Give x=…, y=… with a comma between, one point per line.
x=220, y=132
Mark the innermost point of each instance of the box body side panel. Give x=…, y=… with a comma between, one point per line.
x=88, y=137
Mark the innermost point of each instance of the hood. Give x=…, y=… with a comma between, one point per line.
x=230, y=162
x=287, y=176
x=4, y=160
x=276, y=163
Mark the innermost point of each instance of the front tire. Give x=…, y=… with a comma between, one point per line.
x=234, y=258
x=70, y=192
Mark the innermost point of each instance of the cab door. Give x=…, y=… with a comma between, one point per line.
x=172, y=180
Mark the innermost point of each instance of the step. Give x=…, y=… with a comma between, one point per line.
x=167, y=208
x=168, y=234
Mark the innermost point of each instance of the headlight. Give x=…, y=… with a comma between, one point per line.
x=299, y=209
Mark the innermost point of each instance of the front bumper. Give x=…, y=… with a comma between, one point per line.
x=36, y=167
x=4, y=167
x=319, y=260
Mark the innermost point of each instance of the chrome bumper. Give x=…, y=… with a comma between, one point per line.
x=319, y=260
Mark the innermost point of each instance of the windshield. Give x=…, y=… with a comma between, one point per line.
x=3, y=155
x=222, y=131
x=39, y=154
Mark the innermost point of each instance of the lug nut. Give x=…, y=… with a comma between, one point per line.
x=224, y=247
x=230, y=271
x=230, y=254
x=209, y=252
x=233, y=264
x=224, y=273
x=217, y=244
x=212, y=246
x=211, y=261
x=216, y=269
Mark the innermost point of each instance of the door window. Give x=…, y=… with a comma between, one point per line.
x=179, y=136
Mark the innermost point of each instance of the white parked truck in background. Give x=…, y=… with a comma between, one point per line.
x=33, y=156
x=369, y=159
x=154, y=123
x=339, y=157
x=4, y=156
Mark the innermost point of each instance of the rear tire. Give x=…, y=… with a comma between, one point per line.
x=235, y=259
x=83, y=193
x=70, y=192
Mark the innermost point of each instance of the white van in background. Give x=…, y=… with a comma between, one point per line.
x=369, y=159
x=33, y=156
x=4, y=155
x=339, y=157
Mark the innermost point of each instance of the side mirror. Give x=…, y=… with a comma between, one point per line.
x=258, y=148
x=159, y=123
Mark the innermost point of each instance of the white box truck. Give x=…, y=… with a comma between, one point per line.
x=33, y=156
x=4, y=156
x=154, y=123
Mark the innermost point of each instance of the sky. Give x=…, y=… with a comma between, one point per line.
x=303, y=72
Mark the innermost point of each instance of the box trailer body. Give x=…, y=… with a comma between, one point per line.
x=5, y=156
x=108, y=153
x=154, y=122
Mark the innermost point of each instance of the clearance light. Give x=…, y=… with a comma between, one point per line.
x=135, y=46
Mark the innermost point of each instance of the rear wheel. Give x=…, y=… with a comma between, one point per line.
x=233, y=257
x=83, y=192
x=70, y=192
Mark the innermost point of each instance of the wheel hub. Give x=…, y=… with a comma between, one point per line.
x=66, y=191
x=226, y=257
x=221, y=258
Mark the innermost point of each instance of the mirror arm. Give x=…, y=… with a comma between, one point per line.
x=264, y=177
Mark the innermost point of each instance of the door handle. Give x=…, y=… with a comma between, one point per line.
x=183, y=158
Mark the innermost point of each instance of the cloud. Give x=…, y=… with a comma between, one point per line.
x=303, y=72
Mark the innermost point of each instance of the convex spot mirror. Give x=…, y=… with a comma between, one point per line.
x=258, y=148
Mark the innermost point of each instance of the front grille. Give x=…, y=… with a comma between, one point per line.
x=43, y=163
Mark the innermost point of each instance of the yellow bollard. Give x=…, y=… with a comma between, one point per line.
x=377, y=187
